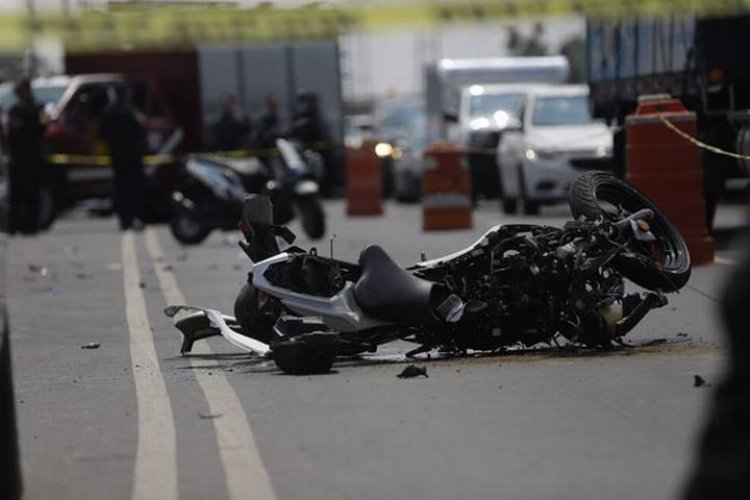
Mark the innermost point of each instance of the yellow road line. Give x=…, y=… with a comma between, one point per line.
x=155, y=475
x=246, y=475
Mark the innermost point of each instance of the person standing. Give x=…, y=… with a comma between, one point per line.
x=310, y=128
x=25, y=133
x=123, y=131
x=269, y=125
x=231, y=131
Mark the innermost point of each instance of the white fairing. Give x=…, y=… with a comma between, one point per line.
x=221, y=323
x=339, y=312
x=480, y=243
x=305, y=188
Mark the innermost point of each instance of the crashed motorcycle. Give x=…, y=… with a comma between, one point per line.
x=518, y=285
x=212, y=189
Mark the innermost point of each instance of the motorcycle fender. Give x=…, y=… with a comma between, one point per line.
x=306, y=188
x=220, y=322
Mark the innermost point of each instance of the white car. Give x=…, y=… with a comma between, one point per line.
x=555, y=140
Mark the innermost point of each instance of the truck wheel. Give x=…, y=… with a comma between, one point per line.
x=529, y=207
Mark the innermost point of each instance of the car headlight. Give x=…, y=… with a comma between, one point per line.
x=383, y=149
x=541, y=154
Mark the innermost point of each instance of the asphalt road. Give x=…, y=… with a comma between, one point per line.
x=133, y=419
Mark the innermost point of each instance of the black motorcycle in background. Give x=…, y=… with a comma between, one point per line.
x=212, y=189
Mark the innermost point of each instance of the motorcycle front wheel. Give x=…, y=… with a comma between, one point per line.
x=665, y=264
x=311, y=215
x=188, y=228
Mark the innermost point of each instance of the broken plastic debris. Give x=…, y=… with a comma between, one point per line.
x=412, y=371
x=91, y=345
x=699, y=381
x=40, y=270
x=208, y=416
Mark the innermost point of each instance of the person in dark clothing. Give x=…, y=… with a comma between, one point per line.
x=269, y=125
x=123, y=131
x=25, y=133
x=310, y=128
x=230, y=133
x=722, y=464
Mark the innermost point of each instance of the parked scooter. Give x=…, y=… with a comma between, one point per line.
x=212, y=189
x=518, y=284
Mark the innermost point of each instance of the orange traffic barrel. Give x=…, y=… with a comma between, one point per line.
x=446, y=189
x=667, y=168
x=364, y=186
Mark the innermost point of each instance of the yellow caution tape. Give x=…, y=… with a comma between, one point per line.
x=162, y=159
x=127, y=26
x=702, y=144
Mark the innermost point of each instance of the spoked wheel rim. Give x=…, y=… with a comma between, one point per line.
x=663, y=265
x=667, y=252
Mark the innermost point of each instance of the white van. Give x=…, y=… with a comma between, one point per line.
x=555, y=139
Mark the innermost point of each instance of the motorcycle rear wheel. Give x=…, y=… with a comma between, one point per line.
x=596, y=194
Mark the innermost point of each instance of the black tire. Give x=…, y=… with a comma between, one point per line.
x=248, y=315
x=312, y=216
x=598, y=194
x=306, y=355
x=528, y=207
x=509, y=205
x=187, y=228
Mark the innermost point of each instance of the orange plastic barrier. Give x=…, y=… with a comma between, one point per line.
x=667, y=168
x=364, y=185
x=446, y=189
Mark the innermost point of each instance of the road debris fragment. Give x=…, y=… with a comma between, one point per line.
x=699, y=381
x=209, y=416
x=412, y=371
x=654, y=342
x=91, y=345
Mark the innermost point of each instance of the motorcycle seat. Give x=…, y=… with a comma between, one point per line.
x=388, y=292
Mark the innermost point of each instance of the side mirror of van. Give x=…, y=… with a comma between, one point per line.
x=513, y=125
x=450, y=117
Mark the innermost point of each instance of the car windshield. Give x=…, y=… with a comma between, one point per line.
x=402, y=116
x=561, y=110
x=486, y=105
x=48, y=94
